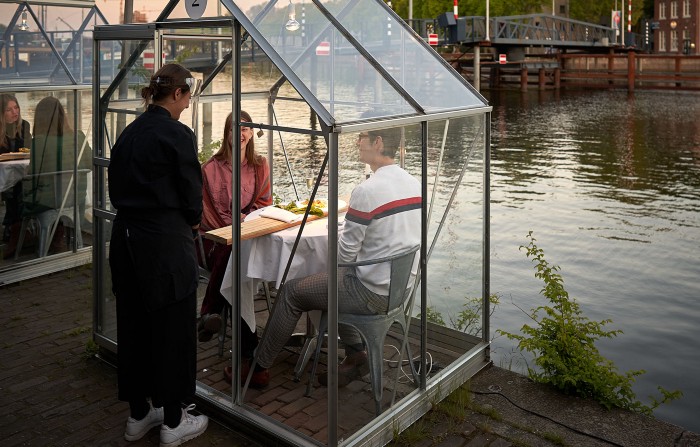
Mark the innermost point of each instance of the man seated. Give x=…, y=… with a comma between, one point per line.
x=383, y=219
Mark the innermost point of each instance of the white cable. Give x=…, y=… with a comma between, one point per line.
x=395, y=364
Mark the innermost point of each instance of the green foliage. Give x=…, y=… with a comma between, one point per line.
x=430, y=9
x=468, y=320
x=208, y=150
x=562, y=341
x=91, y=349
x=434, y=316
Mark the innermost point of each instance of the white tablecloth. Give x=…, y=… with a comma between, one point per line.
x=265, y=258
x=11, y=172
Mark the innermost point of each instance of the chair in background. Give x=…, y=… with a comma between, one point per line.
x=60, y=207
x=374, y=328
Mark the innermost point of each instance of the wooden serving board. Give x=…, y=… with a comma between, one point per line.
x=257, y=227
x=252, y=229
x=14, y=156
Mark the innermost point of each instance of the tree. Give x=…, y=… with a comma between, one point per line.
x=429, y=9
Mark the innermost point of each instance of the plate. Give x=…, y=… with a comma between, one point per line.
x=256, y=214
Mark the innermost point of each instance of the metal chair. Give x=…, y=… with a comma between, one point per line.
x=49, y=209
x=373, y=328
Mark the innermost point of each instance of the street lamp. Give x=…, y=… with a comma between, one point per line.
x=688, y=46
x=24, y=26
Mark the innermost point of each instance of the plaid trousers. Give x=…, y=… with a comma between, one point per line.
x=311, y=293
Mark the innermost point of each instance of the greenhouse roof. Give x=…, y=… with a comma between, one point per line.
x=348, y=57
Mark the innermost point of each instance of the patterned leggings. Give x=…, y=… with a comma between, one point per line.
x=311, y=293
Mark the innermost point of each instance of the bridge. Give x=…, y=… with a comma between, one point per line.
x=521, y=30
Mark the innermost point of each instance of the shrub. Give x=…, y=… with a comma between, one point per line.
x=562, y=341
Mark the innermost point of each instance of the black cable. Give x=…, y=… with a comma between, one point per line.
x=548, y=418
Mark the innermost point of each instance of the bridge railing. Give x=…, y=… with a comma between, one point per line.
x=546, y=29
x=535, y=29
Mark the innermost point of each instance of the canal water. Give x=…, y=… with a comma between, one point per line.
x=610, y=185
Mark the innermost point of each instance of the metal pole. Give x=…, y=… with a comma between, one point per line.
x=410, y=10
x=488, y=8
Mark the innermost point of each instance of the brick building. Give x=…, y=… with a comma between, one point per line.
x=679, y=26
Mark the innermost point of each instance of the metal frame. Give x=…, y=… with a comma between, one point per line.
x=411, y=407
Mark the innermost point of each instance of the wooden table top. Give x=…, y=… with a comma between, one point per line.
x=258, y=227
x=14, y=156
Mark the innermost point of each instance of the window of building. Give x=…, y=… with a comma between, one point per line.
x=674, y=41
x=686, y=8
x=674, y=9
x=662, y=42
x=662, y=10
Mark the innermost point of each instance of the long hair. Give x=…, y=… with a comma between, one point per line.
x=226, y=149
x=164, y=82
x=50, y=118
x=15, y=128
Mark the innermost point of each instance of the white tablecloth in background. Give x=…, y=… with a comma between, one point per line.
x=11, y=172
x=265, y=258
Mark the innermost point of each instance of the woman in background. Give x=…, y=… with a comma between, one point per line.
x=14, y=135
x=51, y=167
x=217, y=194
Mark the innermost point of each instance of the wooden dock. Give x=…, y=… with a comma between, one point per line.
x=613, y=70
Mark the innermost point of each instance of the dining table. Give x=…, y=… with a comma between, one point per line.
x=12, y=171
x=264, y=255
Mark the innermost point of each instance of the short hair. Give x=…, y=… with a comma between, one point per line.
x=165, y=81
x=391, y=136
x=391, y=139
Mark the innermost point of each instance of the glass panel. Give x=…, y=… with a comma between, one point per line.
x=415, y=67
x=107, y=309
x=328, y=65
x=340, y=77
x=48, y=208
x=383, y=170
x=39, y=37
x=455, y=264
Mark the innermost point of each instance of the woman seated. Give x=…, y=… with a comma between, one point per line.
x=14, y=135
x=51, y=183
x=217, y=197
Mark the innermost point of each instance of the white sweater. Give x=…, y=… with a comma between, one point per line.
x=383, y=219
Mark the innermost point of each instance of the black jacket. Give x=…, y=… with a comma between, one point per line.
x=155, y=183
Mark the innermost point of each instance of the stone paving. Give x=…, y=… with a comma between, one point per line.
x=53, y=392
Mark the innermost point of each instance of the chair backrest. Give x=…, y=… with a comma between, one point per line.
x=400, y=274
x=400, y=268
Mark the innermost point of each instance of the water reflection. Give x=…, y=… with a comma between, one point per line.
x=610, y=183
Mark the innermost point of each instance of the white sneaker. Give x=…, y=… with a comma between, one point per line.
x=135, y=430
x=189, y=428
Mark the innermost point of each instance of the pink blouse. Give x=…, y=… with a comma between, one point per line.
x=218, y=191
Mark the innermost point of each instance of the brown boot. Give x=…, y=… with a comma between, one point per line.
x=351, y=368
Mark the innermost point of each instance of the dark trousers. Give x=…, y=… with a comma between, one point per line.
x=217, y=256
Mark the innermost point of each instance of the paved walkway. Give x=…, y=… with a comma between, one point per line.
x=53, y=394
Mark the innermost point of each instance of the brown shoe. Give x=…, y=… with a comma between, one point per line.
x=260, y=379
x=209, y=325
x=351, y=368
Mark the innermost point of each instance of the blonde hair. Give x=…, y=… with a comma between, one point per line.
x=16, y=128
